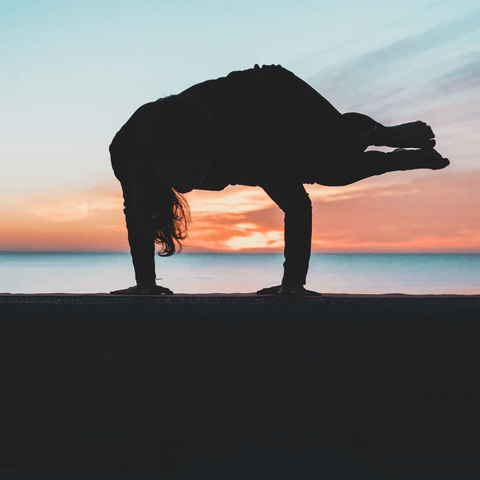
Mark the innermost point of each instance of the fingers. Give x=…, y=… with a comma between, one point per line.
x=162, y=291
x=138, y=290
x=126, y=291
x=269, y=290
x=284, y=290
x=155, y=290
x=289, y=290
x=297, y=291
x=311, y=293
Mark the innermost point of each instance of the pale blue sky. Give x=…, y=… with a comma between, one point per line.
x=73, y=72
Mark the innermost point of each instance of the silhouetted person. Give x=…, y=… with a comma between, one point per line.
x=260, y=127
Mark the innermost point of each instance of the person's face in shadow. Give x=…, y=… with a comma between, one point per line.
x=183, y=174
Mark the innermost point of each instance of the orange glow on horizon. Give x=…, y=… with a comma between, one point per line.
x=401, y=213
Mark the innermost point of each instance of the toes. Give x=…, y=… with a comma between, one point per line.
x=436, y=161
x=425, y=144
x=445, y=163
x=427, y=129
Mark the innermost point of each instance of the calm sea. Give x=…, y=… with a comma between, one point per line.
x=242, y=273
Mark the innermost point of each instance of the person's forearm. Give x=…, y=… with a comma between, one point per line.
x=298, y=238
x=142, y=246
x=295, y=203
x=142, y=249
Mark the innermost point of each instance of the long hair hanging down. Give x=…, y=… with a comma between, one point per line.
x=163, y=212
x=177, y=127
x=170, y=227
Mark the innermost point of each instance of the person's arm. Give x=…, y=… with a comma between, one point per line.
x=296, y=204
x=142, y=249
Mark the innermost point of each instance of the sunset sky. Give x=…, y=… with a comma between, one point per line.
x=74, y=72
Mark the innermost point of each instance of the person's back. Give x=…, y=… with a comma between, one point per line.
x=264, y=121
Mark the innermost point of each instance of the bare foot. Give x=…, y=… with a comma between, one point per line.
x=424, y=158
x=413, y=135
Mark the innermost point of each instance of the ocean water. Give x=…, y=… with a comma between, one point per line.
x=242, y=273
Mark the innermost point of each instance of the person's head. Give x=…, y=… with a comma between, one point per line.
x=176, y=139
x=182, y=174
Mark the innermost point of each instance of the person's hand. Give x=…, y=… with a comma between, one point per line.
x=289, y=289
x=146, y=289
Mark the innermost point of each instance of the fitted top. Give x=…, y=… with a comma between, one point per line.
x=264, y=121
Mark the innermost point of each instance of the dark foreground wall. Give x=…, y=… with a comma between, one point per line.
x=381, y=375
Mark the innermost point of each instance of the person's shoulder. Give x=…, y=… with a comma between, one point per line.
x=144, y=111
x=139, y=113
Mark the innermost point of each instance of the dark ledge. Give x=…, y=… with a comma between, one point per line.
x=386, y=373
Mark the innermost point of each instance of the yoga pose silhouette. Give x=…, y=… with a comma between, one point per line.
x=260, y=127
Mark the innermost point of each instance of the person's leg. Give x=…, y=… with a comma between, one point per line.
x=349, y=163
x=407, y=135
x=354, y=131
x=361, y=131
x=422, y=158
x=345, y=171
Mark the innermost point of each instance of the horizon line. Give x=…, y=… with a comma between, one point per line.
x=248, y=252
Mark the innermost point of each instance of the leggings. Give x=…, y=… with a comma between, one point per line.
x=328, y=147
x=347, y=160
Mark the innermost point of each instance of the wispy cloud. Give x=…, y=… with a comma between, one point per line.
x=65, y=211
x=233, y=200
x=434, y=212
x=58, y=207
x=463, y=78
x=375, y=187
x=394, y=72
